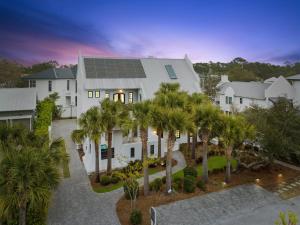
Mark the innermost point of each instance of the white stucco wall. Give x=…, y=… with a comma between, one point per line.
x=296, y=86
x=59, y=86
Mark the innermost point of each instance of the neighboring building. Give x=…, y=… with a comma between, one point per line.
x=17, y=106
x=295, y=81
x=238, y=96
x=128, y=81
x=60, y=80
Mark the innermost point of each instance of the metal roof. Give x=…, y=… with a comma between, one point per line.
x=53, y=73
x=104, y=68
x=295, y=77
x=17, y=99
x=252, y=89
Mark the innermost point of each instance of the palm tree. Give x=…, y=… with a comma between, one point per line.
x=156, y=123
x=233, y=132
x=170, y=104
x=142, y=118
x=28, y=175
x=77, y=137
x=92, y=127
x=114, y=114
x=207, y=118
x=194, y=102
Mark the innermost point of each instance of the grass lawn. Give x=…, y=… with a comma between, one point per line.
x=65, y=167
x=102, y=189
x=214, y=162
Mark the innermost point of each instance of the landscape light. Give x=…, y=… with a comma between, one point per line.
x=280, y=175
x=223, y=184
x=257, y=180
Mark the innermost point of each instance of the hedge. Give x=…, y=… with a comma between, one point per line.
x=43, y=120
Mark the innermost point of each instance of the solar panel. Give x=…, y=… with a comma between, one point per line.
x=113, y=68
x=171, y=71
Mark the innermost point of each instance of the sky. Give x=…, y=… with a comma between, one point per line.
x=33, y=31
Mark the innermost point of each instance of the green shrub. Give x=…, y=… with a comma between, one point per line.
x=105, y=180
x=175, y=187
x=190, y=171
x=115, y=179
x=136, y=217
x=178, y=182
x=189, y=184
x=164, y=179
x=156, y=185
x=201, y=185
x=127, y=190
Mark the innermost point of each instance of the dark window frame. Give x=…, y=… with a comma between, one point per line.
x=241, y=100
x=152, y=149
x=49, y=85
x=91, y=93
x=130, y=97
x=177, y=134
x=132, y=152
x=97, y=92
x=68, y=85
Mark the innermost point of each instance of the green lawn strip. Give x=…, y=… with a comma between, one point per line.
x=66, y=171
x=214, y=162
x=108, y=188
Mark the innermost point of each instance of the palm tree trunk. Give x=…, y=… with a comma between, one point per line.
x=194, y=146
x=22, y=215
x=188, y=142
x=171, y=141
x=228, y=164
x=97, y=169
x=204, y=158
x=109, y=152
x=159, y=143
x=144, y=137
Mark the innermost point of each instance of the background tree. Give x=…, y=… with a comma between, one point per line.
x=92, y=127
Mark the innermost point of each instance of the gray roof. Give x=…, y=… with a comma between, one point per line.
x=113, y=68
x=254, y=90
x=295, y=77
x=17, y=99
x=53, y=73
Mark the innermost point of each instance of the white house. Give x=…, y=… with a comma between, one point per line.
x=128, y=80
x=238, y=96
x=17, y=106
x=295, y=81
x=60, y=80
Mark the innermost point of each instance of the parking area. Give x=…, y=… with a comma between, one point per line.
x=246, y=204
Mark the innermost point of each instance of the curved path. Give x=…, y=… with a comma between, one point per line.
x=74, y=202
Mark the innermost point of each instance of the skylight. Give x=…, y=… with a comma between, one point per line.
x=171, y=71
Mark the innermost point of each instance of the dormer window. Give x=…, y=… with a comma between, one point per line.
x=171, y=71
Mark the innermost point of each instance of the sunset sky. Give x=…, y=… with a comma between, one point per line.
x=212, y=30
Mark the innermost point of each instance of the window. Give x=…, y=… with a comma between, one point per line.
x=151, y=149
x=90, y=148
x=68, y=85
x=106, y=95
x=32, y=83
x=68, y=100
x=171, y=71
x=75, y=100
x=97, y=94
x=132, y=153
x=50, y=85
x=119, y=97
x=104, y=153
x=130, y=97
x=177, y=134
x=241, y=100
x=75, y=86
x=227, y=100
x=90, y=94
x=230, y=100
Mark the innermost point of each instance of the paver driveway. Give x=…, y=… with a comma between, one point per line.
x=242, y=205
x=74, y=202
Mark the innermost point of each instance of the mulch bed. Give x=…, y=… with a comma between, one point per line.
x=268, y=178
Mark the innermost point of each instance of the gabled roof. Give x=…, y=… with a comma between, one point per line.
x=53, y=73
x=295, y=77
x=147, y=75
x=252, y=89
x=17, y=99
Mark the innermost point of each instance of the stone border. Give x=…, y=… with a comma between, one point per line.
x=287, y=165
